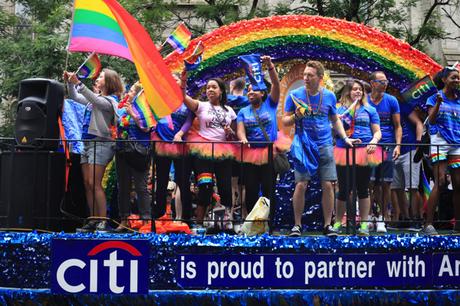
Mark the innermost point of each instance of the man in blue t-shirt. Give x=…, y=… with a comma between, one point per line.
x=406, y=172
x=387, y=107
x=316, y=121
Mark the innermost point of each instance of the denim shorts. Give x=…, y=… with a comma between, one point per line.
x=384, y=171
x=104, y=152
x=327, y=170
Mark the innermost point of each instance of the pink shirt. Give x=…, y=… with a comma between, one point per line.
x=213, y=119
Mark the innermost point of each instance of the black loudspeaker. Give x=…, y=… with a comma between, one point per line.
x=40, y=105
x=32, y=191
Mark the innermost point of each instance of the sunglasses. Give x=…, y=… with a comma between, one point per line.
x=383, y=82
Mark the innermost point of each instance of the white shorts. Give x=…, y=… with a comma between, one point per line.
x=440, y=150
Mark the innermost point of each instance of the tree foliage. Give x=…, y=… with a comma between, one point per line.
x=33, y=44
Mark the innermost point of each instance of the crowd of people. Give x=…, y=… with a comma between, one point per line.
x=365, y=141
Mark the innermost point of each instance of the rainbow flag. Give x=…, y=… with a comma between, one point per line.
x=419, y=91
x=426, y=188
x=161, y=90
x=348, y=119
x=95, y=29
x=91, y=68
x=142, y=110
x=180, y=38
x=193, y=61
x=303, y=107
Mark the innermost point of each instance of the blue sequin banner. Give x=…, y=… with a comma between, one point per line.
x=26, y=261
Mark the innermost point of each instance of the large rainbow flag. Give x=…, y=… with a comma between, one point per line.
x=104, y=26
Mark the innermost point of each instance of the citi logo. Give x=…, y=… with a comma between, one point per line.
x=116, y=267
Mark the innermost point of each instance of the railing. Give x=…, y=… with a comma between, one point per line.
x=45, y=214
x=10, y=152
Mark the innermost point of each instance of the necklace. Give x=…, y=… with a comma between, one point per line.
x=319, y=103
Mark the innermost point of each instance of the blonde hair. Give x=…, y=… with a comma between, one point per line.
x=137, y=87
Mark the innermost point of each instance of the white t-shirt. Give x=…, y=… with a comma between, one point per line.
x=213, y=119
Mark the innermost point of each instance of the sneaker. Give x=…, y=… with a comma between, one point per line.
x=89, y=227
x=103, y=227
x=330, y=231
x=363, y=230
x=430, y=230
x=338, y=227
x=296, y=231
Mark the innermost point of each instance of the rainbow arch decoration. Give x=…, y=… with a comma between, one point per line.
x=342, y=46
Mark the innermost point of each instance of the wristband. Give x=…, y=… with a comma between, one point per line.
x=345, y=138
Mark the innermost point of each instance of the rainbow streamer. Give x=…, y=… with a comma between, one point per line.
x=95, y=29
x=351, y=48
x=91, y=68
x=142, y=110
x=180, y=38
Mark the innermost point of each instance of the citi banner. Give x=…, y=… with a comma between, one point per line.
x=99, y=266
x=318, y=270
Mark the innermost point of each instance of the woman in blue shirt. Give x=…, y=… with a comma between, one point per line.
x=132, y=166
x=257, y=123
x=444, y=118
x=362, y=124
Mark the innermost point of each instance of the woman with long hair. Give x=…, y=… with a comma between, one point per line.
x=99, y=119
x=209, y=147
x=362, y=125
x=132, y=160
x=257, y=123
x=443, y=117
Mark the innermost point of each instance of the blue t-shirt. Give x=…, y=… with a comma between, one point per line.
x=408, y=128
x=448, y=119
x=237, y=102
x=86, y=120
x=132, y=131
x=386, y=109
x=365, y=116
x=168, y=126
x=316, y=124
x=267, y=117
